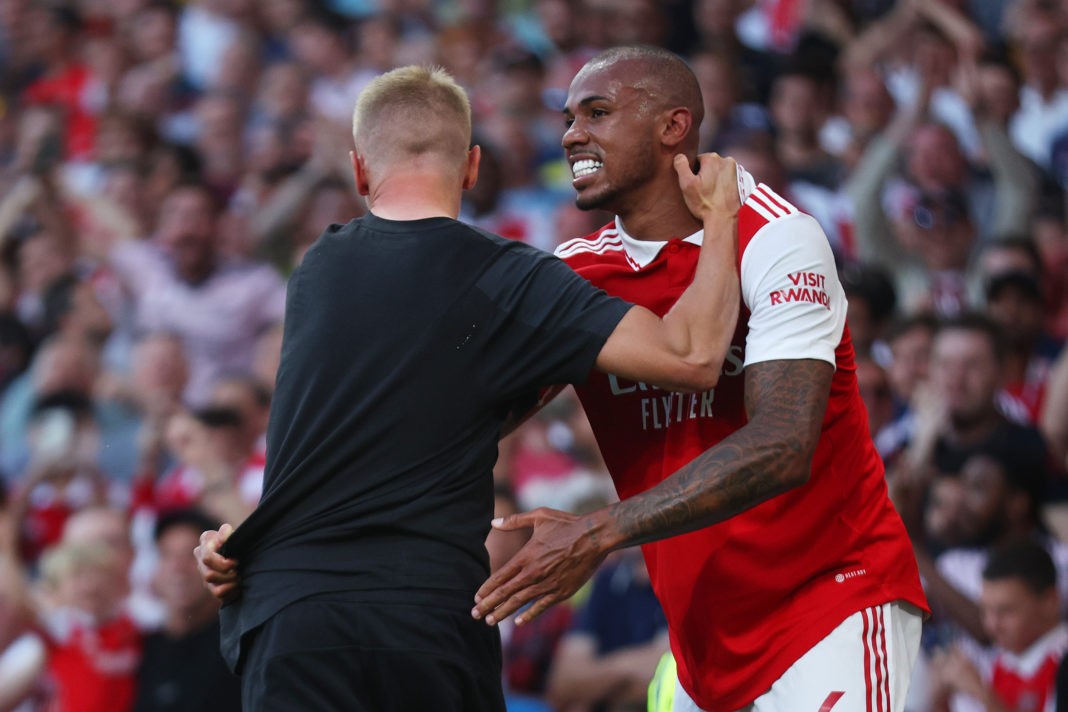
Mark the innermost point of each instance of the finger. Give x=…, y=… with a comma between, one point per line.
x=223, y=591
x=536, y=609
x=513, y=603
x=514, y=521
x=498, y=588
x=225, y=531
x=682, y=166
x=490, y=595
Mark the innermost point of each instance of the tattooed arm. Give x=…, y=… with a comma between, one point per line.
x=771, y=454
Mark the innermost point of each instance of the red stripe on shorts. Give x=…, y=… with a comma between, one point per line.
x=831, y=701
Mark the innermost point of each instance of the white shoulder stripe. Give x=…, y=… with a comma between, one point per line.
x=581, y=244
x=608, y=233
x=774, y=202
x=759, y=207
x=767, y=204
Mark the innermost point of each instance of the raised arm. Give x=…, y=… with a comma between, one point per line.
x=771, y=454
x=684, y=351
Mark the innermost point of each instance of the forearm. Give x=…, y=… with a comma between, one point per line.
x=1015, y=181
x=770, y=455
x=741, y=472
x=701, y=323
x=961, y=609
x=873, y=43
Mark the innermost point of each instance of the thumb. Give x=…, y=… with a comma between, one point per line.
x=513, y=521
x=682, y=166
x=225, y=531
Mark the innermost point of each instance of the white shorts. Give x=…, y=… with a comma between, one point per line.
x=864, y=665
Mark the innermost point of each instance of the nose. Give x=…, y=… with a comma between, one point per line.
x=574, y=135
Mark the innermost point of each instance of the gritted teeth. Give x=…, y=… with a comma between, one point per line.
x=585, y=167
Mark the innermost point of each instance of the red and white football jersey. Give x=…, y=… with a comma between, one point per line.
x=1026, y=682
x=747, y=597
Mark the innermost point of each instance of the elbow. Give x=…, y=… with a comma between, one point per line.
x=699, y=372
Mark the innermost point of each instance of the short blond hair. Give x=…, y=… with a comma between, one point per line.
x=60, y=561
x=410, y=112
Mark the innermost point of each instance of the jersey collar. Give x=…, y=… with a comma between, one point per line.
x=641, y=253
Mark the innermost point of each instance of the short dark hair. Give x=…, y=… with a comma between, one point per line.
x=978, y=323
x=186, y=516
x=1026, y=561
x=903, y=325
x=872, y=284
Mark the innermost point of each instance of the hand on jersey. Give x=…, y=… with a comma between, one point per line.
x=712, y=192
x=218, y=572
x=560, y=556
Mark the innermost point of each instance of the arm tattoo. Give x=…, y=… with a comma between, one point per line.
x=772, y=453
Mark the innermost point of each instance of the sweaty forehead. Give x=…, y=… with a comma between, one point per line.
x=615, y=80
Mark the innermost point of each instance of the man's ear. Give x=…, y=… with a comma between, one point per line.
x=676, y=127
x=359, y=173
x=474, y=156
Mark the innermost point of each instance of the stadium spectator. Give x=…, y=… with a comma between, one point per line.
x=1023, y=615
x=181, y=667
x=186, y=287
x=606, y=660
x=93, y=647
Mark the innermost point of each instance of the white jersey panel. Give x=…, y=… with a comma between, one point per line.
x=790, y=286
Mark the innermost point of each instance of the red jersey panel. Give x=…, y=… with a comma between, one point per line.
x=749, y=596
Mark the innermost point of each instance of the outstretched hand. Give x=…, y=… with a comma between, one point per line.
x=218, y=572
x=561, y=555
x=713, y=191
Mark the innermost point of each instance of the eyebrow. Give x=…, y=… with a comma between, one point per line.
x=587, y=101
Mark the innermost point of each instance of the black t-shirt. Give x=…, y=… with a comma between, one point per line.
x=186, y=674
x=406, y=345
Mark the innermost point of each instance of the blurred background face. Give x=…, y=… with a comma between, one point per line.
x=160, y=370
x=910, y=361
x=940, y=232
x=867, y=104
x=935, y=160
x=1020, y=315
x=965, y=370
x=187, y=229
x=177, y=581
x=944, y=514
x=1013, y=615
x=95, y=587
x=874, y=389
x=795, y=105
x=985, y=498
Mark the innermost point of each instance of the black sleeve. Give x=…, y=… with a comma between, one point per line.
x=551, y=323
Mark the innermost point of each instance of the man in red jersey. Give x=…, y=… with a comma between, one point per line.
x=793, y=585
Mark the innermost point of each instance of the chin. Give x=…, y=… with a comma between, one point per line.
x=594, y=201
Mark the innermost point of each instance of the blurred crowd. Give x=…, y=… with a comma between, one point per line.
x=164, y=166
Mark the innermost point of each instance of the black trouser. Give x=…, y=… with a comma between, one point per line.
x=339, y=653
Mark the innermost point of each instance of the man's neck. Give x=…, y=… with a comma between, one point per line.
x=659, y=214
x=414, y=196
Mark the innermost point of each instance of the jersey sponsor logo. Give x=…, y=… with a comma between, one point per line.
x=660, y=409
x=807, y=287
x=846, y=575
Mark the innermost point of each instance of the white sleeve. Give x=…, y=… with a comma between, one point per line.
x=790, y=286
